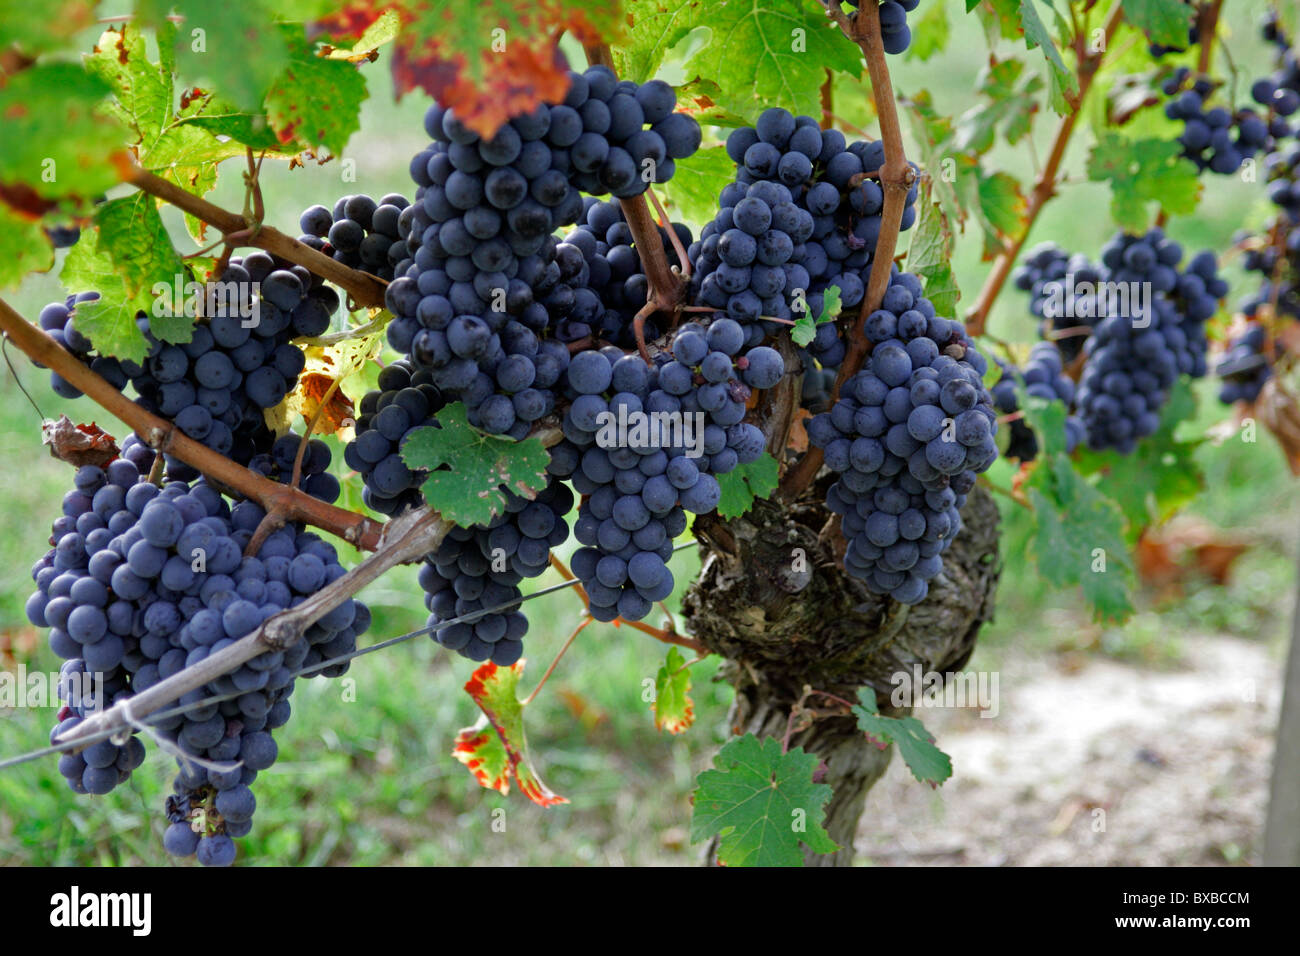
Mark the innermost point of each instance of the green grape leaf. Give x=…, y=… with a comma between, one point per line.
x=144, y=95
x=1002, y=205
x=132, y=233
x=1078, y=536
x=316, y=101
x=761, y=804
x=805, y=327
x=654, y=28
x=1163, y=21
x=930, y=32
x=481, y=465
x=495, y=749
x=142, y=91
x=222, y=118
x=1141, y=172
x=934, y=135
x=744, y=483
x=57, y=139
x=1160, y=476
x=693, y=190
x=1062, y=79
x=674, y=711
x=915, y=744
x=24, y=248
x=237, y=48
x=1011, y=101
x=763, y=56
x=699, y=97
x=930, y=254
x=382, y=31
x=108, y=322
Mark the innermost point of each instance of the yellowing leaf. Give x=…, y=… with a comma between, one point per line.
x=495, y=749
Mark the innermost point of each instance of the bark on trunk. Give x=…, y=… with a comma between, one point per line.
x=783, y=628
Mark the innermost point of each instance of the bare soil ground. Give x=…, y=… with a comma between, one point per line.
x=1094, y=762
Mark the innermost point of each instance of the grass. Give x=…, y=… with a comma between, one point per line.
x=370, y=780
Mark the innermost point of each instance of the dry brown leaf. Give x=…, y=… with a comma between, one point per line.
x=79, y=444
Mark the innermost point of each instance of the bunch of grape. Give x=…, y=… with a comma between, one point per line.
x=1277, y=261
x=615, y=286
x=639, y=483
x=803, y=215
x=479, y=569
x=1054, y=279
x=145, y=581
x=1244, y=367
x=1043, y=377
x=362, y=234
x=1135, y=354
x=237, y=363
x=907, y=437
x=1208, y=134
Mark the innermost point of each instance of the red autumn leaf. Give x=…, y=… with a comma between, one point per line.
x=79, y=444
x=455, y=51
x=496, y=749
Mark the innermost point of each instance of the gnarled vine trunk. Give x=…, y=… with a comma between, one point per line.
x=782, y=628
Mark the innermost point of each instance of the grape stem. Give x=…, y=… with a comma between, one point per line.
x=667, y=635
x=1046, y=182
x=896, y=178
x=365, y=290
x=550, y=670
x=1207, y=26
x=163, y=436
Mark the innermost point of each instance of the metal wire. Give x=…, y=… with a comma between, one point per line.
x=160, y=715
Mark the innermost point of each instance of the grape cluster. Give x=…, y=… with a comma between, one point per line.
x=1135, y=355
x=1208, y=137
x=479, y=569
x=1049, y=274
x=212, y=805
x=803, y=214
x=216, y=386
x=1245, y=366
x=143, y=582
x=362, y=234
x=907, y=437
x=640, y=480
x=1043, y=377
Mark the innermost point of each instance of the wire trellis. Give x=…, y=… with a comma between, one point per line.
x=159, y=715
